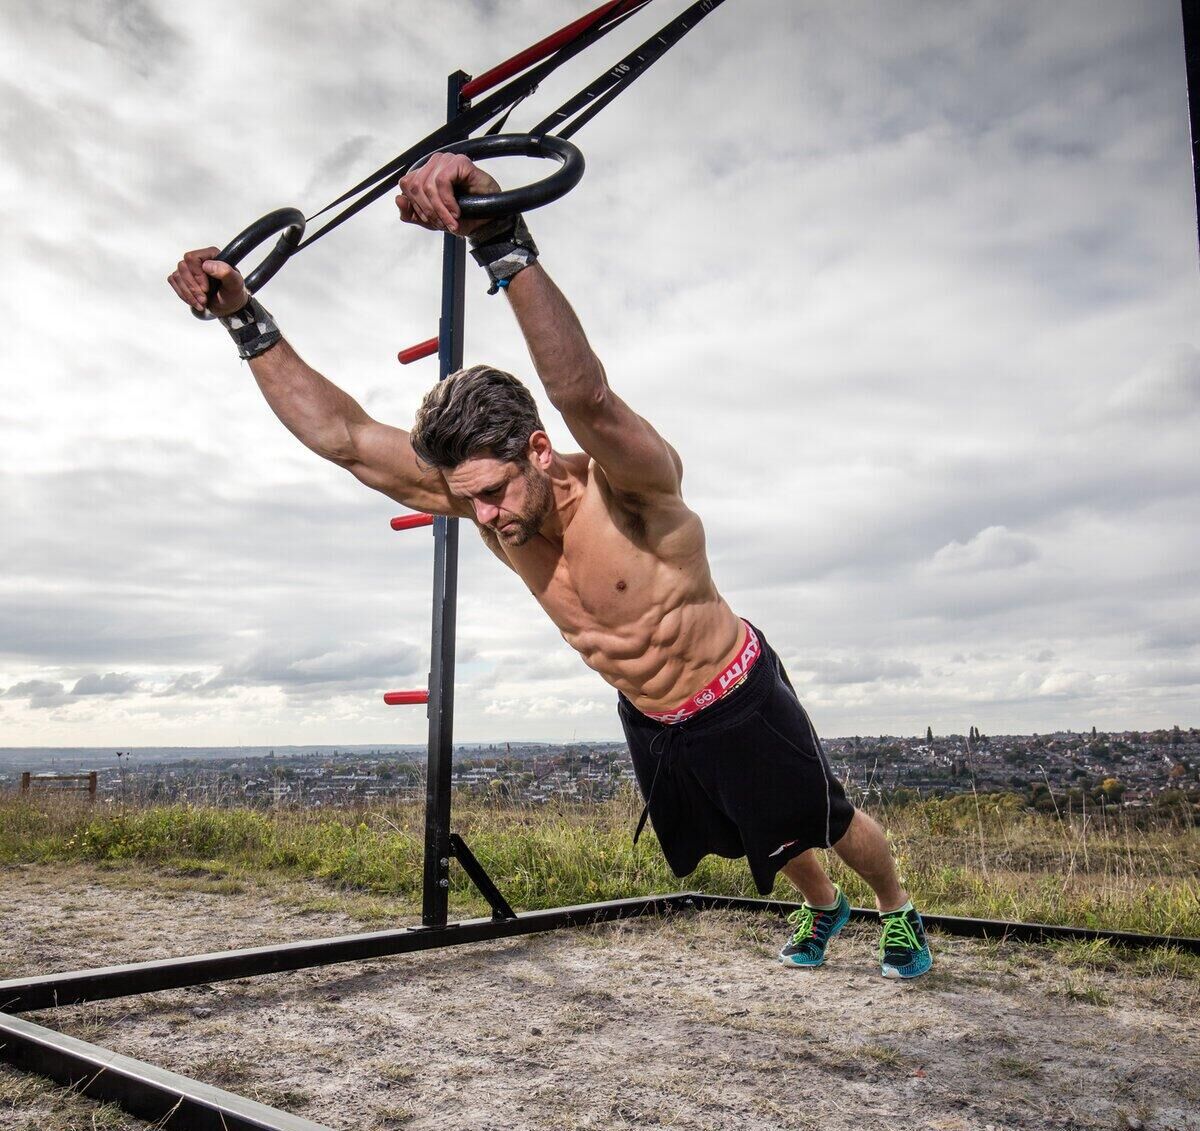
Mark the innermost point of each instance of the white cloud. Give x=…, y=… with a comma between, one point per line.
x=39, y=693
x=862, y=669
x=542, y=707
x=111, y=683
x=1067, y=683
x=995, y=547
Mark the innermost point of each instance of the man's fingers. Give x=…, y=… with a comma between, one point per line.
x=428, y=197
x=424, y=214
x=419, y=195
x=194, y=259
x=455, y=170
x=194, y=272
x=442, y=198
x=181, y=289
x=184, y=289
x=408, y=212
x=218, y=269
x=188, y=277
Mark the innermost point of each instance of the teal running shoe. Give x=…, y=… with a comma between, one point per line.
x=903, y=948
x=814, y=930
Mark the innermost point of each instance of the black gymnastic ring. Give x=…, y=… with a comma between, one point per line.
x=522, y=199
x=290, y=221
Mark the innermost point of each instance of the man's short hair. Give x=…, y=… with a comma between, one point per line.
x=480, y=411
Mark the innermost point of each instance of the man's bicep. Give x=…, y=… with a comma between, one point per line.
x=634, y=456
x=384, y=460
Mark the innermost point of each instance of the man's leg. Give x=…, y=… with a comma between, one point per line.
x=824, y=914
x=806, y=872
x=904, y=952
x=865, y=849
x=903, y=949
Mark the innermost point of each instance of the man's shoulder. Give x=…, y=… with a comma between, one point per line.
x=645, y=516
x=600, y=482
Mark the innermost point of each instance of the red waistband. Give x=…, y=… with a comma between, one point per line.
x=721, y=686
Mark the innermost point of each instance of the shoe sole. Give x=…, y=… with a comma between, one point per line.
x=895, y=975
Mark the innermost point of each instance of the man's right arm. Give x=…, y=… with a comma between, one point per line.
x=333, y=424
x=324, y=418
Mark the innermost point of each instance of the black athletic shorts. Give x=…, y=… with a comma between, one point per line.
x=744, y=777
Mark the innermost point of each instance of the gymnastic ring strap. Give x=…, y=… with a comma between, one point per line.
x=290, y=221
x=522, y=199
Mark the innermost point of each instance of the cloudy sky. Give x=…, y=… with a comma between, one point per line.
x=912, y=287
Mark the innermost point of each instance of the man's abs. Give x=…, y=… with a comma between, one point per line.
x=660, y=662
x=636, y=602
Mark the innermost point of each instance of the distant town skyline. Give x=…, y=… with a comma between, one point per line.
x=14, y=754
x=1131, y=769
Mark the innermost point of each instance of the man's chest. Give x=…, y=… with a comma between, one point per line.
x=597, y=578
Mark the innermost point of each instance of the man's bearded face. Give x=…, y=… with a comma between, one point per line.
x=512, y=499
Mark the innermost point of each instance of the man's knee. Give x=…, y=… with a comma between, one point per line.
x=860, y=824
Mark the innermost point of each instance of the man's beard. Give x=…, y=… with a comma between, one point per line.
x=539, y=501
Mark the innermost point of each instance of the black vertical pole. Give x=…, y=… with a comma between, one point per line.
x=435, y=903
x=1191, y=51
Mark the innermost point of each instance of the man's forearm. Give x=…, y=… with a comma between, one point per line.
x=565, y=362
x=319, y=414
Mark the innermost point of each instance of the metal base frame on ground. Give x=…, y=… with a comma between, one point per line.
x=176, y=1102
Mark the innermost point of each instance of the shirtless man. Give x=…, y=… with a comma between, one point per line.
x=726, y=757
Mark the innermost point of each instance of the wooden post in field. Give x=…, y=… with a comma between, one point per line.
x=25, y=782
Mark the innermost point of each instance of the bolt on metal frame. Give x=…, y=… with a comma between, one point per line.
x=175, y=1101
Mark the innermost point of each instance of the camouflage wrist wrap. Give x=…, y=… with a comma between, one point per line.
x=252, y=329
x=503, y=248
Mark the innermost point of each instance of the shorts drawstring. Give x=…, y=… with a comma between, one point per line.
x=667, y=733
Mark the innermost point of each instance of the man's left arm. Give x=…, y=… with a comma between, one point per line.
x=635, y=458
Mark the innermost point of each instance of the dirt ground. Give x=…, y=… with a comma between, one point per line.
x=687, y=1022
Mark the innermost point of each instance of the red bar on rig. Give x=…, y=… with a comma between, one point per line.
x=541, y=49
x=415, y=353
x=411, y=521
x=405, y=698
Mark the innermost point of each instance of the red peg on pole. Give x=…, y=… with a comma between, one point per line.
x=415, y=353
x=411, y=521
x=405, y=698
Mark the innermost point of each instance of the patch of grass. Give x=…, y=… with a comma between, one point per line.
x=1018, y=1068
x=1086, y=993
x=398, y=1073
x=355, y=905
x=37, y=1104
x=1165, y=961
x=1101, y=955
x=289, y=1099
x=393, y=1116
x=1091, y=954
x=978, y=856
x=883, y=1054
x=221, y=1069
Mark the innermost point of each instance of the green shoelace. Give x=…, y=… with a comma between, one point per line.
x=802, y=919
x=898, y=934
